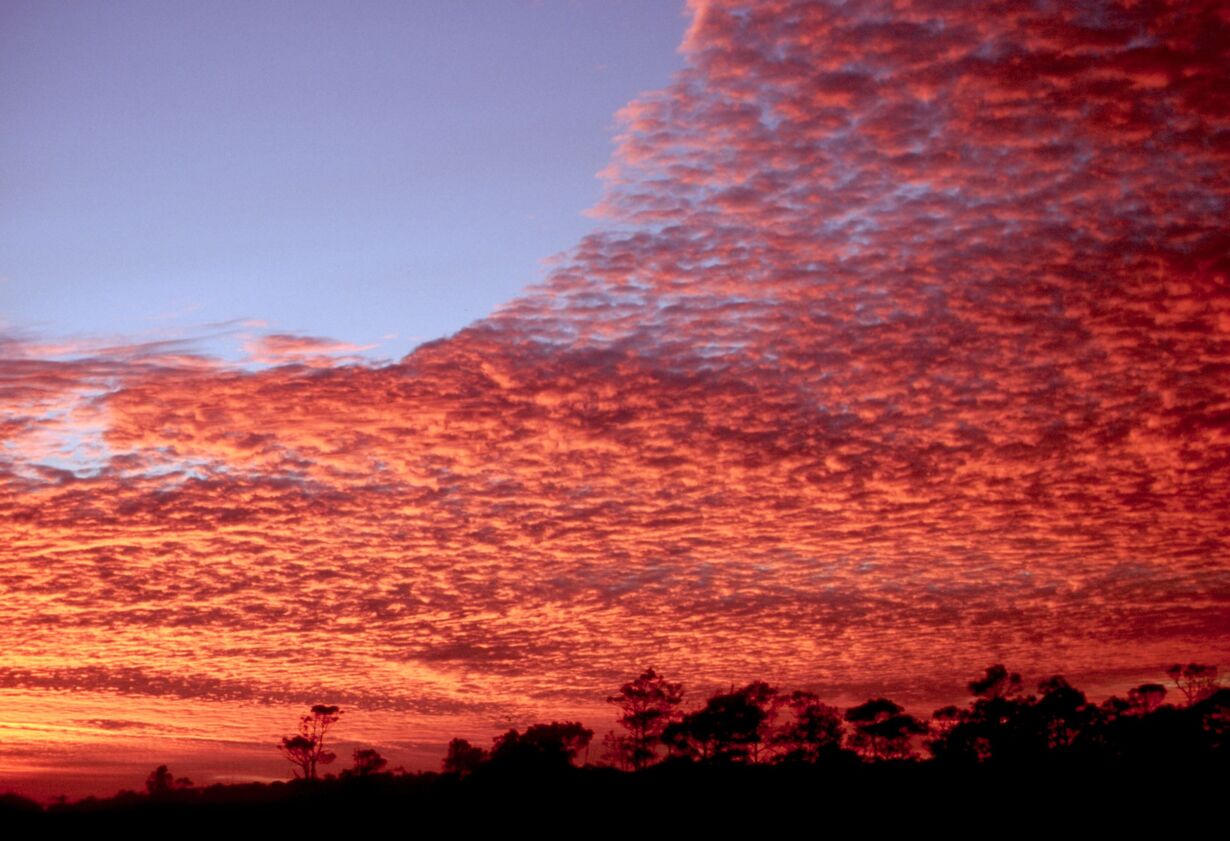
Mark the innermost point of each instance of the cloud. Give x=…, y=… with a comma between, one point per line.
x=901, y=349
x=285, y=349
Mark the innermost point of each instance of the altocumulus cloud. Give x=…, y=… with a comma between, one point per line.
x=903, y=342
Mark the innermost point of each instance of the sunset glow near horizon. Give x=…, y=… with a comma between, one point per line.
x=900, y=346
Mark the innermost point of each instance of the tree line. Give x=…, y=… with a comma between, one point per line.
x=1011, y=746
x=762, y=724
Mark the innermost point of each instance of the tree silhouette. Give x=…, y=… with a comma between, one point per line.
x=162, y=782
x=367, y=761
x=882, y=729
x=961, y=735
x=1146, y=698
x=996, y=683
x=647, y=705
x=617, y=750
x=1061, y=715
x=1214, y=714
x=993, y=727
x=729, y=728
x=306, y=749
x=463, y=758
x=1196, y=681
x=542, y=747
x=810, y=730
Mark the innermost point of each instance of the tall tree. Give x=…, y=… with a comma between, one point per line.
x=808, y=731
x=993, y=727
x=463, y=758
x=647, y=705
x=1146, y=698
x=306, y=749
x=729, y=728
x=162, y=782
x=367, y=761
x=1196, y=681
x=1061, y=715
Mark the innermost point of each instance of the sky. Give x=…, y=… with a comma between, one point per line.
x=169, y=166
x=885, y=341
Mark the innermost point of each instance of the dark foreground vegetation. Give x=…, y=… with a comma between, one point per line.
x=756, y=756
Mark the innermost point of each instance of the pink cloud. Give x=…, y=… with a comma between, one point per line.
x=287, y=349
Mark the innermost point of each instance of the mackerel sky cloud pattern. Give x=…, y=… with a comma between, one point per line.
x=902, y=346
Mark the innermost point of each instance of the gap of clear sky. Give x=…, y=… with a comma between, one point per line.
x=382, y=173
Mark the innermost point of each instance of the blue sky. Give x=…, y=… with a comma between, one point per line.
x=380, y=173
